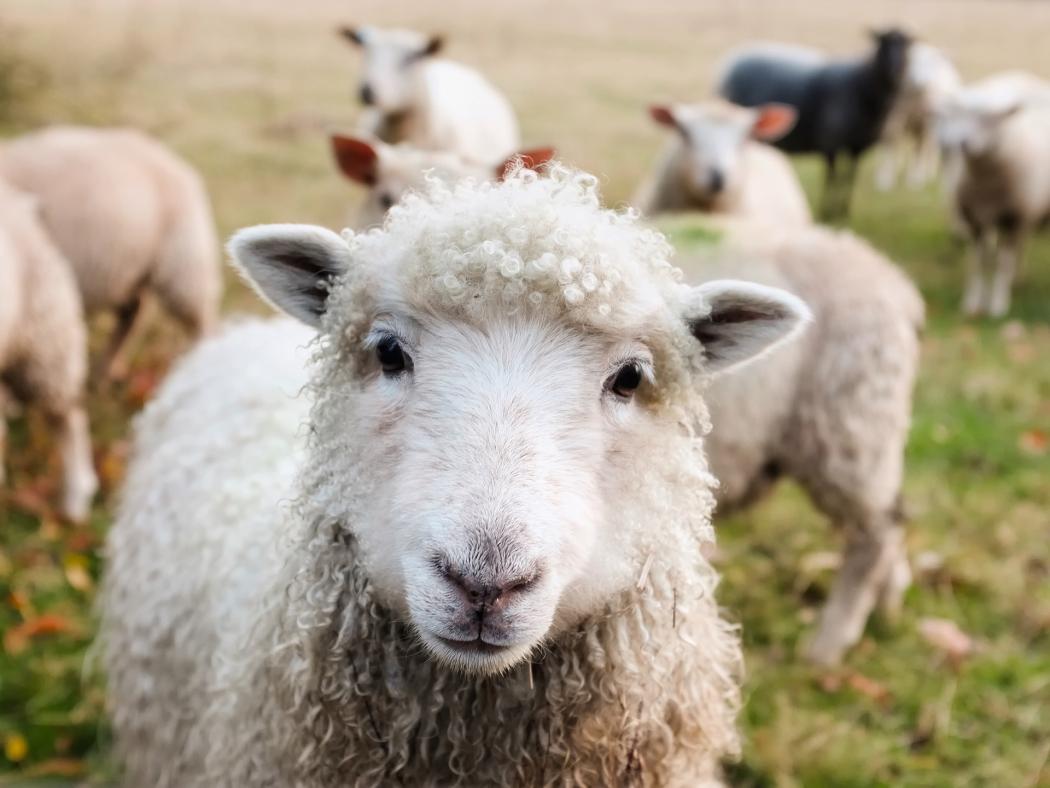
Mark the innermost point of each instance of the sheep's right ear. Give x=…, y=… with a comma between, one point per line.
x=354, y=35
x=292, y=266
x=741, y=321
x=773, y=121
x=663, y=115
x=358, y=159
x=531, y=159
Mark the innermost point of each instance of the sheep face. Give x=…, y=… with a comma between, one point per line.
x=508, y=378
x=391, y=62
x=713, y=136
x=972, y=127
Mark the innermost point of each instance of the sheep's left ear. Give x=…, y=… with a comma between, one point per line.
x=531, y=159
x=292, y=266
x=773, y=121
x=741, y=321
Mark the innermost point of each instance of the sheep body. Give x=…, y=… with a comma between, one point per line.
x=43, y=342
x=128, y=215
x=754, y=180
x=286, y=646
x=842, y=105
x=831, y=411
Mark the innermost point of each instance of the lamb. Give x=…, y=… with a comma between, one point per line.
x=832, y=410
x=130, y=217
x=480, y=562
x=43, y=344
x=429, y=102
x=842, y=105
x=390, y=171
x=909, y=137
x=1001, y=132
x=716, y=164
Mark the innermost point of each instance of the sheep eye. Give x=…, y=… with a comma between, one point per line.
x=626, y=381
x=386, y=201
x=392, y=358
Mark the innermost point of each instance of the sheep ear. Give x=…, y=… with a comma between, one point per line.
x=743, y=321
x=292, y=266
x=531, y=159
x=354, y=35
x=433, y=46
x=358, y=160
x=773, y=121
x=663, y=115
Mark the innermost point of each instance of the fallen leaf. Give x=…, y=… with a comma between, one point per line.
x=946, y=636
x=821, y=561
x=16, y=639
x=77, y=574
x=57, y=767
x=112, y=464
x=868, y=687
x=1035, y=442
x=141, y=386
x=15, y=747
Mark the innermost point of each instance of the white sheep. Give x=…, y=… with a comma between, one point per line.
x=43, y=343
x=391, y=171
x=1000, y=129
x=430, y=102
x=471, y=552
x=717, y=163
x=129, y=216
x=909, y=138
x=831, y=411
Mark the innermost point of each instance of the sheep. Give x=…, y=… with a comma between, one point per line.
x=130, y=217
x=488, y=566
x=716, y=164
x=390, y=171
x=43, y=343
x=831, y=411
x=429, y=102
x=1000, y=130
x=842, y=105
x=909, y=136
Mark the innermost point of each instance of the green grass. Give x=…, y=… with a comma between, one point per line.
x=252, y=115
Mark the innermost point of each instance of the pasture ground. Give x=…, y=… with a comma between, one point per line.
x=247, y=89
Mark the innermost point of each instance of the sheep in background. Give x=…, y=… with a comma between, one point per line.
x=831, y=411
x=130, y=217
x=493, y=572
x=43, y=343
x=1000, y=129
x=842, y=105
x=429, y=102
x=909, y=138
x=390, y=171
x=717, y=163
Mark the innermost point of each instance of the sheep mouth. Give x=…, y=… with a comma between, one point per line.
x=472, y=647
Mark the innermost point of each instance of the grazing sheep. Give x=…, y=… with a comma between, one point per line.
x=842, y=105
x=43, y=344
x=1001, y=132
x=909, y=138
x=429, y=102
x=390, y=171
x=716, y=165
x=831, y=411
x=479, y=563
x=129, y=216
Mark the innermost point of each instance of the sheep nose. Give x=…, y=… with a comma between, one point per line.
x=718, y=181
x=488, y=596
x=367, y=95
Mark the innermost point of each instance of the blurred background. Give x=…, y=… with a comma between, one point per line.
x=248, y=90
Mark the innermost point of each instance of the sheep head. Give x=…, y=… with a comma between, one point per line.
x=391, y=58
x=508, y=403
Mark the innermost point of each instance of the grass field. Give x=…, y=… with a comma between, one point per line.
x=246, y=91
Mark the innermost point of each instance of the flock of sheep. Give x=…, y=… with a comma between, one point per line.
x=447, y=521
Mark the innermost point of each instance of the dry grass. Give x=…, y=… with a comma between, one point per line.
x=246, y=89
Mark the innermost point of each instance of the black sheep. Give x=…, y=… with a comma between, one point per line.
x=842, y=105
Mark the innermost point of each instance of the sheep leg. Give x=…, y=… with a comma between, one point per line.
x=827, y=200
x=981, y=257
x=848, y=179
x=926, y=158
x=1007, y=255
x=114, y=361
x=898, y=580
x=890, y=157
x=79, y=480
x=870, y=555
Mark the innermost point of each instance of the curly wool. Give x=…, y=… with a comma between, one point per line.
x=329, y=686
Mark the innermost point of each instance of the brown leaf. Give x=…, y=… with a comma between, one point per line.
x=57, y=767
x=1034, y=442
x=112, y=464
x=868, y=687
x=142, y=384
x=946, y=637
x=16, y=639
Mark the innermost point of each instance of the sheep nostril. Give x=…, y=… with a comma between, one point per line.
x=368, y=97
x=717, y=181
x=480, y=594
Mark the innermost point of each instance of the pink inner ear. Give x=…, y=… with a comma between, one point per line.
x=531, y=159
x=356, y=158
x=662, y=115
x=773, y=122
